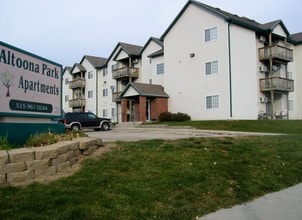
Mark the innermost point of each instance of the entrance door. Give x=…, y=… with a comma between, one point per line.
x=148, y=104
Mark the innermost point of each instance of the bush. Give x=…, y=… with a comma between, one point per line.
x=168, y=116
x=48, y=138
x=4, y=144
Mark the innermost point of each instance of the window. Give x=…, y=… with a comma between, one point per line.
x=105, y=112
x=90, y=94
x=160, y=68
x=210, y=34
x=113, y=112
x=290, y=105
x=150, y=60
x=212, y=68
x=212, y=102
x=66, y=81
x=66, y=98
x=105, y=92
x=90, y=75
x=105, y=72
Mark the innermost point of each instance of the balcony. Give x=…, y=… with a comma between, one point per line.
x=125, y=72
x=276, y=84
x=77, y=103
x=115, y=96
x=77, y=83
x=277, y=53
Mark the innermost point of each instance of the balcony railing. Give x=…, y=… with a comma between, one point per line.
x=276, y=52
x=77, y=83
x=77, y=103
x=276, y=84
x=125, y=72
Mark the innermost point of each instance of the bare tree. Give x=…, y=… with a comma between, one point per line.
x=7, y=81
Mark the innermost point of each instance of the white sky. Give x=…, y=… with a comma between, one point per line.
x=65, y=30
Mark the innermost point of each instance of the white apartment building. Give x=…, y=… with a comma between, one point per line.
x=210, y=64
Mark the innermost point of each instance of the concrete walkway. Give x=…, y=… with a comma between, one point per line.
x=165, y=133
x=283, y=205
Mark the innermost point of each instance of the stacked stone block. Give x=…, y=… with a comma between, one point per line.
x=24, y=164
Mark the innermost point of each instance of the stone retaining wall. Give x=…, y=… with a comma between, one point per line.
x=24, y=164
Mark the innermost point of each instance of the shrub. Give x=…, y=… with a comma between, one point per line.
x=168, y=116
x=180, y=117
x=4, y=144
x=165, y=116
x=42, y=139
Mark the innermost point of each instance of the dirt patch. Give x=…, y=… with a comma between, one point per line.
x=70, y=171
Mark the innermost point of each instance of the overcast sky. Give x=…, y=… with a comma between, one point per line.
x=65, y=30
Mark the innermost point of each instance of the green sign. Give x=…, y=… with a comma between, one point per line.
x=19, y=105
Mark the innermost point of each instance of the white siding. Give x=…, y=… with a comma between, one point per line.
x=66, y=91
x=296, y=69
x=279, y=31
x=244, y=73
x=185, y=79
x=90, y=86
x=149, y=68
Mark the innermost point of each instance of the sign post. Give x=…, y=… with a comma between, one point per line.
x=30, y=93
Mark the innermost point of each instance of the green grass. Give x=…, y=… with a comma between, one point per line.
x=160, y=179
x=275, y=126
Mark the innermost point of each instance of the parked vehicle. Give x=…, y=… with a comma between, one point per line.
x=79, y=120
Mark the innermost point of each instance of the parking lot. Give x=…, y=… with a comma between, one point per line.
x=141, y=133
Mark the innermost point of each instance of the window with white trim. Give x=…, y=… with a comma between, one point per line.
x=105, y=112
x=160, y=68
x=210, y=34
x=211, y=67
x=290, y=105
x=66, y=98
x=113, y=112
x=105, y=72
x=212, y=102
x=90, y=74
x=90, y=94
x=66, y=81
x=105, y=92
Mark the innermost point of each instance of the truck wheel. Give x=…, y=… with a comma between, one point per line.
x=105, y=126
x=75, y=127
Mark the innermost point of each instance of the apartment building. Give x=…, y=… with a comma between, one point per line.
x=209, y=63
x=81, y=85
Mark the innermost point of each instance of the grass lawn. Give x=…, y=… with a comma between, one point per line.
x=268, y=126
x=160, y=179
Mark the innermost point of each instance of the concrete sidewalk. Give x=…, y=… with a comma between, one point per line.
x=283, y=205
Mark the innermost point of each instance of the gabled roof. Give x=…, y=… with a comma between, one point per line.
x=146, y=90
x=231, y=18
x=297, y=38
x=96, y=62
x=79, y=66
x=271, y=25
x=130, y=49
x=156, y=40
x=157, y=53
x=67, y=68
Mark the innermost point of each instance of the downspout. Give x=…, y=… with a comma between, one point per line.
x=230, y=69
